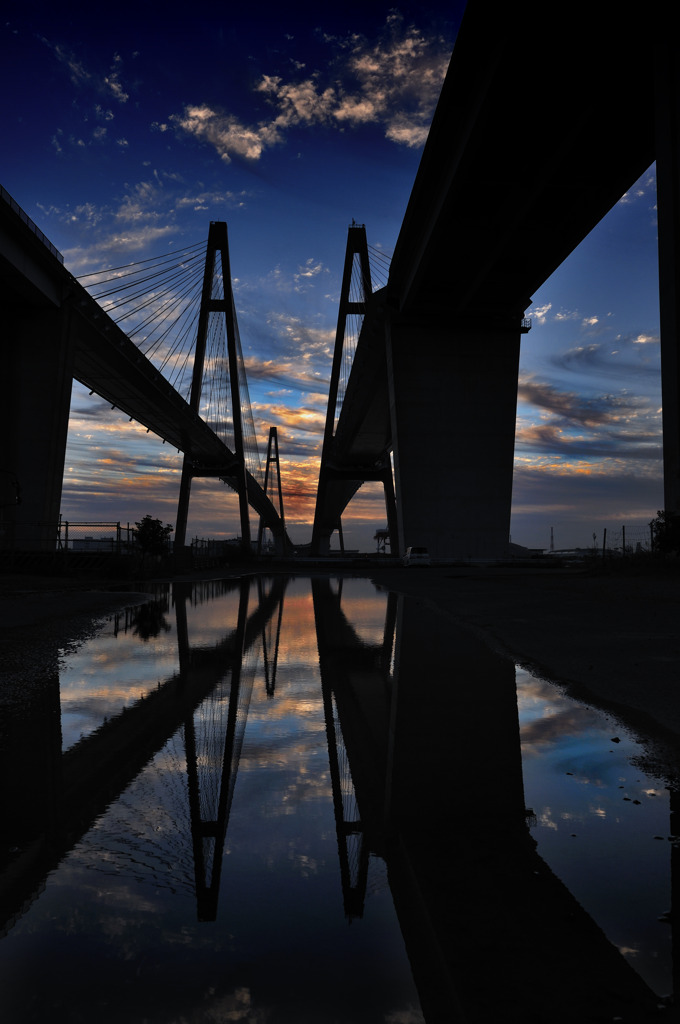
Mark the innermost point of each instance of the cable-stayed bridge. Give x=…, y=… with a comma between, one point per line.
x=430, y=404
x=158, y=340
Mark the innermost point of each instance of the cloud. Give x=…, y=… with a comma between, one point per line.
x=393, y=83
x=306, y=273
x=112, y=81
x=566, y=314
x=297, y=340
x=644, y=188
x=144, y=215
x=305, y=102
x=646, y=339
x=310, y=421
x=105, y=248
x=628, y=356
x=566, y=404
x=285, y=374
x=540, y=313
x=561, y=445
x=113, y=462
x=572, y=427
x=229, y=136
x=580, y=498
x=108, y=83
x=207, y=199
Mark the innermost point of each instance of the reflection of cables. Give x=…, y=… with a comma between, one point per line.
x=146, y=834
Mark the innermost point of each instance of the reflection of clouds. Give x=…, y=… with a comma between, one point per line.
x=409, y=1016
x=366, y=614
x=231, y=1008
x=212, y=621
x=554, y=728
x=547, y=717
x=108, y=673
x=545, y=819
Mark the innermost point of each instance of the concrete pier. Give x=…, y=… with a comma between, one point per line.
x=35, y=414
x=453, y=400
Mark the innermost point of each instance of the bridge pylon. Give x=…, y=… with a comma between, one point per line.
x=217, y=244
x=355, y=293
x=273, y=462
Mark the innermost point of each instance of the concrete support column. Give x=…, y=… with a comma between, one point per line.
x=667, y=128
x=35, y=412
x=453, y=401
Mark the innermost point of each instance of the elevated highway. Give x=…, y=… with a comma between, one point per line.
x=539, y=131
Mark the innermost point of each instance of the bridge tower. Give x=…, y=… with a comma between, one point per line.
x=211, y=302
x=356, y=259
x=273, y=461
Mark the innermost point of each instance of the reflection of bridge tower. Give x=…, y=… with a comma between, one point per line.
x=357, y=693
x=217, y=299
x=213, y=731
x=213, y=748
x=273, y=462
x=355, y=292
x=271, y=637
x=353, y=849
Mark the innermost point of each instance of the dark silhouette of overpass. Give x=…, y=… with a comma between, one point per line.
x=56, y=332
x=433, y=746
x=490, y=217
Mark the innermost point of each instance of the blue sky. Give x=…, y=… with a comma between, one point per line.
x=124, y=138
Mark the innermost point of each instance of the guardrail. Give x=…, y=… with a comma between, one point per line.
x=4, y=194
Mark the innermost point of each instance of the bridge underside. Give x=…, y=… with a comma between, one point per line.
x=490, y=217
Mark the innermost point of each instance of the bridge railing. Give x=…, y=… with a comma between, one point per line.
x=4, y=195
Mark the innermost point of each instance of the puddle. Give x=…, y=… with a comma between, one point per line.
x=239, y=810
x=601, y=823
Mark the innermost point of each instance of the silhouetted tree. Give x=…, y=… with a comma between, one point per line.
x=666, y=532
x=149, y=620
x=152, y=536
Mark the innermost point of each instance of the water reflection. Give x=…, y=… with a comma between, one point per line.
x=602, y=823
x=256, y=787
